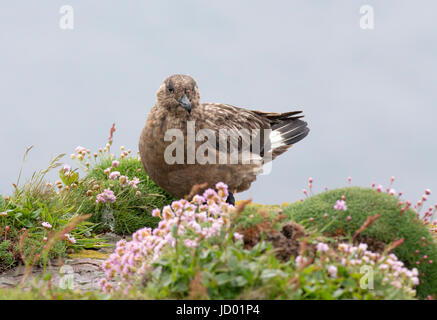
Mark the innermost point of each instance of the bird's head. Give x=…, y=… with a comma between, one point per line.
x=178, y=91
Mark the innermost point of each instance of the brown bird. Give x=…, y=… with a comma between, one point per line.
x=175, y=159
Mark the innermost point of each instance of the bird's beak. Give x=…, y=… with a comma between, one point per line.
x=185, y=102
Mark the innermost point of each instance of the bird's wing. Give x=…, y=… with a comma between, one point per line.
x=285, y=129
x=217, y=115
x=242, y=127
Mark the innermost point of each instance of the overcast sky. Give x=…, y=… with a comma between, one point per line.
x=369, y=96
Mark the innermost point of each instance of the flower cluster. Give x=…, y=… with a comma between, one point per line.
x=46, y=225
x=84, y=155
x=116, y=175
x=340, y=205
x=394, y=272
x=70, y=238
x=106, y=196
x=182, y=223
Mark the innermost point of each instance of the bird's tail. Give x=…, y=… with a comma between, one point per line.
x=287, y=130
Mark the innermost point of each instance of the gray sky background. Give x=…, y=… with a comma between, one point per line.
x=369, y=96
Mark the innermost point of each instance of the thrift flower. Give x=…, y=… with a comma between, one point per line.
x=238, y=236
x=300, y=261
x=332, y=270
x=70, y=238
x=115, y=163
x=156, y=213
x=322, y=247
x=80, y=149
x=66, y=168
x=114, y=175
x=362, y=247
x=124, y=181
x=46, y=225
x=133, y=183
x=191, y=243
x=106, y=196
x=340, y=205
x=187, y=220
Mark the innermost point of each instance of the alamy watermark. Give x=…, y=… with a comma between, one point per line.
x=66, y=280
x=366, y=281
x=66, y=21
x=367, y=20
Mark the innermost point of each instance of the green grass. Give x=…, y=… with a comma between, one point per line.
x=38, y=201
x=361, y=203
x=132, y=209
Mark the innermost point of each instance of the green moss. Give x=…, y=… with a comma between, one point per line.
x=255, y=214
x=7, y=259
x=361, y=203
x=133, y=207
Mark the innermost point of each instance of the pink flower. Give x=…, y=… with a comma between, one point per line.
x=133, y=183
x=70, y=238
x=300, y=261
x=322, y=247
x=198, y=199
x=115, y=163
x=124, y=180
x=106, y=196
x=362, y=247
x=222, y=190
x=427, y=192
x=80, y=149
x=238, y=236
x=392, y=192
x=349, y=218
x=191, y=243
x=379, y=188
x=134, y=259
x=66, y=168
x=332, y=270
x=4, y=214
x=209, y=194
x=340, y=205
x=156, y=213
x=114, y=175
x=46, y=225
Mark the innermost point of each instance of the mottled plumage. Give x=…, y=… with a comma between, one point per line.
x=178, y=102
